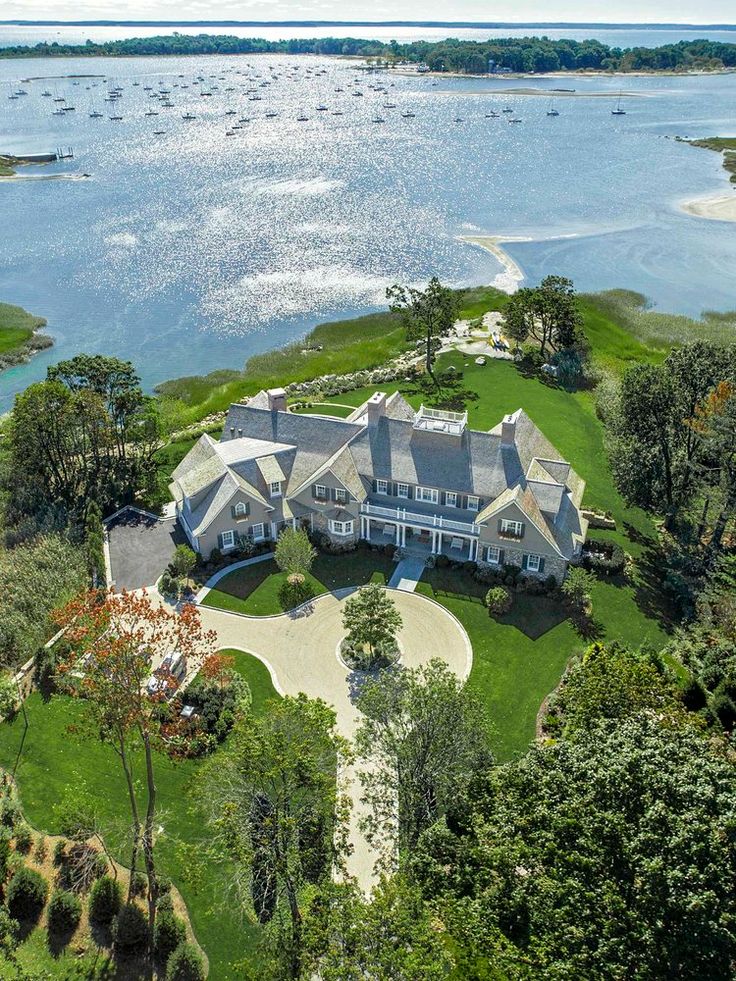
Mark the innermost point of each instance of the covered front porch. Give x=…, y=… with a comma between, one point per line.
x=416, y=540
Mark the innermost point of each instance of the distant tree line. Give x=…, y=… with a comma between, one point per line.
x=528, y=54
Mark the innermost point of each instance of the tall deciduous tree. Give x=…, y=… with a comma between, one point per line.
x=277, y=814
x=424, y=736
x=294, y=553
x=715, y=421
x=657, y=456
x=606, y=854
x=427, y=314
x=113, y=644
x=371, y=618
x=87, y=433
x=547, y=313
x=392, y=936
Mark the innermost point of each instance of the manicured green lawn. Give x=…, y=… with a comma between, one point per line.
x=326, y=409
x=519, y=658
x=55, y=760
x=254, y=589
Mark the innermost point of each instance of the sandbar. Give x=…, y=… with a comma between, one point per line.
x=722, y=207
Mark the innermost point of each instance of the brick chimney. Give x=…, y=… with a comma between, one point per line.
x=276, y=399
x=376, y=407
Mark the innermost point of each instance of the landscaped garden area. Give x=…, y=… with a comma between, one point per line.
x=52, y=764
x=256, y=589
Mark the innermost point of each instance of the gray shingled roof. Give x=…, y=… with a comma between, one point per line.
x=473, y=463
x=315, y=438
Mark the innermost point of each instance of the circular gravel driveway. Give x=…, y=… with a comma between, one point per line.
x=299, y=650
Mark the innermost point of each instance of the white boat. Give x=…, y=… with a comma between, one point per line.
x=618, y=111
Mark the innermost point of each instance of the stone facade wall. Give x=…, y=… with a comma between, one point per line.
x=321, y=524
x=553, y=566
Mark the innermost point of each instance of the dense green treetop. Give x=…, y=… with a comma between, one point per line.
x=528, y=54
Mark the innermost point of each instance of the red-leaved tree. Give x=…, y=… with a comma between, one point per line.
x=115, y=647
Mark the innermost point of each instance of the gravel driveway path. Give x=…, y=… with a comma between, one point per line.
x=301, y=652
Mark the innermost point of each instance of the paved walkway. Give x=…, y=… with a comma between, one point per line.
x=300, y=651
x=407, y=574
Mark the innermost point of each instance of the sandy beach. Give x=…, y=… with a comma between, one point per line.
x=721, y=207
x=512, y=274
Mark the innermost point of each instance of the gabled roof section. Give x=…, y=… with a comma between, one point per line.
x=525, y=501
x=342, y=466
x=270, y=469
x=200, y=468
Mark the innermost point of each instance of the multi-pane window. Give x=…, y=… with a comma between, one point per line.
x=257, y=532
x=341, y=494
x=402, y=490
x=341, y=527
x=533, y=562
x=473, y=503
x=428, y=494
x=493, y=554
x=227, y=539
x=382, y=486
x=513, y=528
x=320, y=491
x=275, y=487
x=451, y=499
x=241, y=509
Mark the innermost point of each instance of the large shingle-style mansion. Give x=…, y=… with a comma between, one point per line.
x=389, y=474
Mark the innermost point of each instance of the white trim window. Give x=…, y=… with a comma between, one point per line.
x=341, y=495
x=513, y=528
x=533, y=562
x=275, y=488
x=320, y=492
x=473, y=503
x=241, y=509
x=227, y=540
x=257, y=532
x=381, y=487
x=493, y=554
x=341, y=527
x=451, y=499
x=427, y=494
x=402, y=490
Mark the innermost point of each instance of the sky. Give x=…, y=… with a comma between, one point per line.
x=611, y=11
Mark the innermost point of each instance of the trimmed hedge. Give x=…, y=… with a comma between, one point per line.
x=131, y=931
x=169, y=934
x=604, y=556
x=65, y=912
x=185, y=964
x=105, y=900
x=27, y=894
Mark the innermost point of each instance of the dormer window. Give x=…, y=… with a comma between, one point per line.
x=473, y=503
x=275, y=488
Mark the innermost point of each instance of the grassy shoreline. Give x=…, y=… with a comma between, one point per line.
x=726, y=146
x=620, y=324
x=19, y=335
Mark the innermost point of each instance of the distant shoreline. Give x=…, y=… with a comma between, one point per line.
x=467, y=25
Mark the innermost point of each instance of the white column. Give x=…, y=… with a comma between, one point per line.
x=398, y=534
x=274, y=533
x=293, y=523
x=403, y=536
